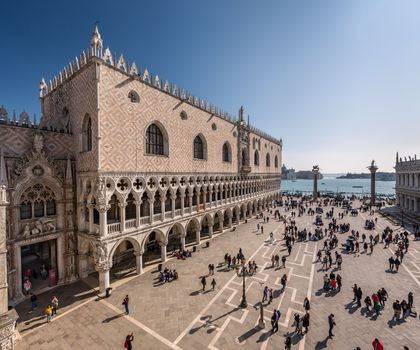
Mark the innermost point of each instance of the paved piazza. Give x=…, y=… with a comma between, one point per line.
x=177, y=315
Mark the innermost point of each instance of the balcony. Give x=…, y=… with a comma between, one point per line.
x=129, y=224
x=245, y=169
x=115, y=227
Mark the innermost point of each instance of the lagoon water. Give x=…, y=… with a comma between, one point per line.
x=331, y=183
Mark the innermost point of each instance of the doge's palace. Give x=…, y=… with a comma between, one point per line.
x=121, y=170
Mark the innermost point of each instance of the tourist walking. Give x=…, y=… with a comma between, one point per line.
x=377, y=345
x=306, y=304
x=359, y=295
x=288, y=343
x=283, y=282
x=283, y=261
x=48, y=313
x=34, y=302
x=331, y=324
x=54, y=304
x=265, y=294
x=203, y=282
x=339, y=282
x=274, y=322
x=128, y=340
x=213, y=284
x=125, y=303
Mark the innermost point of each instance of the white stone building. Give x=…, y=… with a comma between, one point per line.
x=123, y=168
x=407, y=186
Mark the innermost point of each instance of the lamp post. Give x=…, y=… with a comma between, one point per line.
x=244, y=304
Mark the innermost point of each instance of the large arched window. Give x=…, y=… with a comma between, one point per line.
x=244, y=157
x=267, y=160
x=276, y=162
x=154, y=140
x=227, y=154
x=200, y=150
x=87, y=134
x=256, y=158
x=36, y=202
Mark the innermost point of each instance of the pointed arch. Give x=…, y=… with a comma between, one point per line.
x=87, y=134
x=256, y=158
x=200, y=147
x=227, y=152
x=267, y=160
x=156, y=139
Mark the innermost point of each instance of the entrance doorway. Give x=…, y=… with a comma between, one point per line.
x=39, y=261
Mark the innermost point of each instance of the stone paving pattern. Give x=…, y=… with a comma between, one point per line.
x=178, y=315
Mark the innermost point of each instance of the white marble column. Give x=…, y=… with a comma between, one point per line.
x=230, y=222
x=190, y=201
x=210, y=231
x=60, y=259
x=162, y=208
x=151, y=209
x=182, y=243
x=182, y=202
x=163, y=251
x=122, y=216
x=139, y=262
x=173, y=199
x=103, y=280
x=138, y=213
x=90, y=208
x=197, y=236
x=103, y=225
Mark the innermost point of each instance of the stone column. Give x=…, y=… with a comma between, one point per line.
x=7, y=318
x=163, y=251
x=197, y=236
x=151, y=209
x=372, y=168
x=90, y=208
x=103, y=225
x=138, y=214
x=182, y=202
x=103, y=278
x=182, y=243
x=230, y=222
x=210, y=231
x=315, y=171
x=122, y=216
x=204, y=200
x=18, y=264
x=173, y=198
x=60, y=259
x=210, y=190
x=3, y=253
x=162, y=208
x=139, y=261
x=190, y=201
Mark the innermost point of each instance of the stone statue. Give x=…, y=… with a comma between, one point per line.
x=101, y=253
x=38, y=142
x=42, y=87
x=26, y=231
x=70, y=242
x=372, y=163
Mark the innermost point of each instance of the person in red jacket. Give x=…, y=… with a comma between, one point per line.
x=377, y=345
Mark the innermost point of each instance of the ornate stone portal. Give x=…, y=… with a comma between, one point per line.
x=7, y=317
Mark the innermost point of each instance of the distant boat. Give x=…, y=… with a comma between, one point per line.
x=322, y=183
x=357, y=186
x=293, y=180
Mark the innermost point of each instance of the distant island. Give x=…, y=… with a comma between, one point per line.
x=291, y=174
x=380, y=176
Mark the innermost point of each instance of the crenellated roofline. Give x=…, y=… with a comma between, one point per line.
x=95, y=52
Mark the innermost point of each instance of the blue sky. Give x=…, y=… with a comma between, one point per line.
x=339, y=81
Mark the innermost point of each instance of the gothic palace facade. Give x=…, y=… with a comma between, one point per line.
x=122, y=169
x=408, y=184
